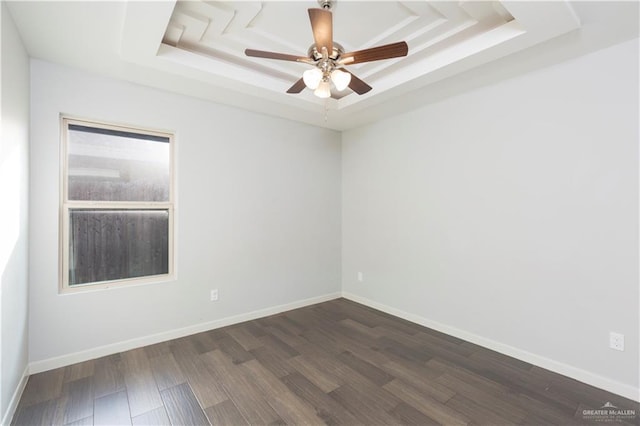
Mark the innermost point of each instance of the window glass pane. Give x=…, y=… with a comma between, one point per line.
x=111, y=165
x=107, y=245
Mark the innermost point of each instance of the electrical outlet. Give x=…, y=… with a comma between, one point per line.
x=214, y=295
x=360, y=277
x=616, y=341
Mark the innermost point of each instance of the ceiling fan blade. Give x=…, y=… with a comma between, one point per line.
x=322, y=27
x=393, y=50
x=273, y=55
x=357, y=85
x=297, y=87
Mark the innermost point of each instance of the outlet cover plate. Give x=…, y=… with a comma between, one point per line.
x=616, y=341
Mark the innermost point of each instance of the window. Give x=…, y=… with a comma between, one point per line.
x=117, y=205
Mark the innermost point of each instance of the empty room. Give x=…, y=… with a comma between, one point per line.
x=320, y=212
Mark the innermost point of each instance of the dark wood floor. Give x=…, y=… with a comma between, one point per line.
x=336, y=363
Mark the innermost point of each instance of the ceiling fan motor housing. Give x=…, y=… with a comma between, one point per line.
x=316, y=55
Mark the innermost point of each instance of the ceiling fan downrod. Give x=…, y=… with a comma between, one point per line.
x=325, y=4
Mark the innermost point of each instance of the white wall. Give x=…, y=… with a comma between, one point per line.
x=509, y=214
x=14, y=210
x=258, y=214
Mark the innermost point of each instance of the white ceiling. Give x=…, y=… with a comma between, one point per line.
x=197, y=47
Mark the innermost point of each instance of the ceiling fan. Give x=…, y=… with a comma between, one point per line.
x=329, y=58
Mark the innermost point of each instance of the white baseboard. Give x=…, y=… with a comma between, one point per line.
x=15, y=399
x=584, y=376
x=613, y=386
x=64, y=360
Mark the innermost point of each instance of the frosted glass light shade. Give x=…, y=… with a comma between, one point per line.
x=323, y=90
x=340, y=79
x=312, y=78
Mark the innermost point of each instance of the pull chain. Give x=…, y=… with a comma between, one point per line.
x=326, y=110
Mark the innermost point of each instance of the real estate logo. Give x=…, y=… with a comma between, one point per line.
x=609, y=413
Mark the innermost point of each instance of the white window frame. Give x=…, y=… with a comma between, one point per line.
x=67, y=205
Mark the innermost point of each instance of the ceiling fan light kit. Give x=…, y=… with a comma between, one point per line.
x=312, y=78
x=324, y=89
x=340, y=79
x=328, y=58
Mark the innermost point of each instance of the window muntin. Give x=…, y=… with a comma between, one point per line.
x=117, y=205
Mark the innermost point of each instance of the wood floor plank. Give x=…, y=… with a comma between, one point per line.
x=184, y=347
x=79, y=370
x=362, y=406
x=316, y=375
x=135, y=360
x=411, y=369
x=420, y=378
x=79, y=401
x=503, y=404
x=523, y=384
x=407, y=415
x=338, y=362
x=286, y=342
x=472, y=378
x=327, y=408
x=436, y=341
x=43, y=387
x=427, y=405
x=545, y=413
x=204, y=342
x=143, y=392
x=156, y=417
x=41, y=413
x=372, y=333
x=241, y=390
x=505, y=370
x=108, y=376
x=479, y=413
x=166, y=371
x=206, y=388
x=589, y=395
x=319, y=338
x=309, y=320
x=290, y=408
x=368, y=370
x=402, y=352
x=161, y=348
x=141, y=385
x=378, y=395
x=254, y=328
x=112, y=409
x=225, y=413
x=87, y=421
x=442, y=336
x=290, y=325
x=247, y=340
x=270, y=359
x=233, y=349
x=277, y=345
x=488, y=355
x=343, y=332
x=183, y=407
x=362, y=346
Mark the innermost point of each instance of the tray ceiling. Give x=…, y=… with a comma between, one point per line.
x=197, y=47
x=210, y=37
x=216, y=34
